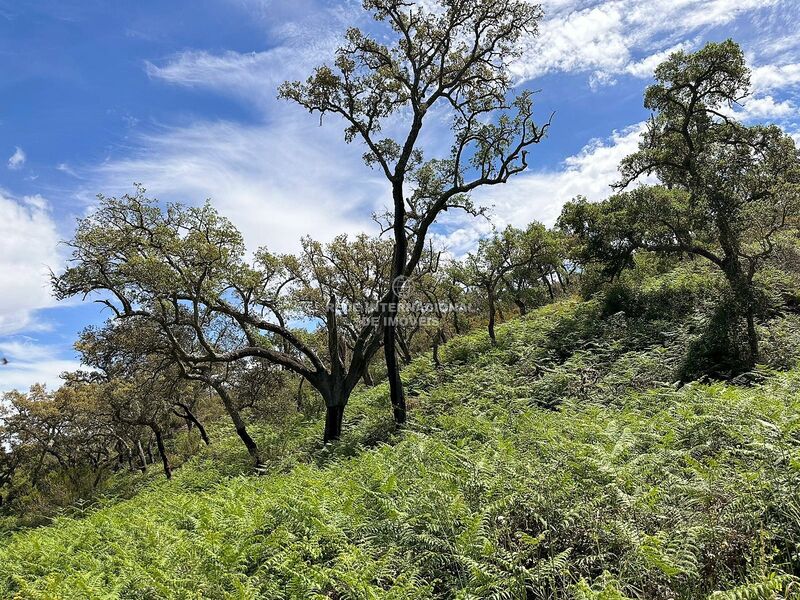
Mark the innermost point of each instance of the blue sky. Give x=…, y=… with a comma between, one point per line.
x=181, y=96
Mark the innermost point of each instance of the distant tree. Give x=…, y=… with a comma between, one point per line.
x=521, y=251
x=542, y=275
x=450, y=59
x=727, y=191
x=62, y=431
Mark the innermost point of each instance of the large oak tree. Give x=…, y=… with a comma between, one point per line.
x=447, y=59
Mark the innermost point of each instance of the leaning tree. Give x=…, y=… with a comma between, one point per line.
x=448, y=59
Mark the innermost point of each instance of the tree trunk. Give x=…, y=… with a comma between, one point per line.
x=367, y=378
x=191, y=419
x=333, y=423
x=523, y=309
x=203, y=432
x=549, y=285
x=404, y=351
x=142, y=457
x=744, y=305
x=396, y=392
x=162, y=451
x=299, y=400
x=561, y=281
x=492, y=313
x=238, y=423
x=752, y=335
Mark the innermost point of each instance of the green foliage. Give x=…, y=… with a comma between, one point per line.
x=728, y=194
x=630, y=489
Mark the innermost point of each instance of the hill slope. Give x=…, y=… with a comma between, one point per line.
x=562, y=464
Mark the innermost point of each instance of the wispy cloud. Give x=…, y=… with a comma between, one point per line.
x=28, y=246
x=30, y=362
x=276, y=181
x=65, y=168
x=282, y=176
x=17, y=160
x=278, y=178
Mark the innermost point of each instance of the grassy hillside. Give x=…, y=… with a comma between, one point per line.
x=565, y=463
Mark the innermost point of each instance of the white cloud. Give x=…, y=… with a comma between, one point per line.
x=28, y=246
x=276, y=181
x=540, y=195
x=283, y=177
x=305, y=35
x=17, y=160
x=30, y=362
x=253, y=76
x=770, y=77
x=765, y=107
x=65, y=168
x=609, y=38
x=646, y=67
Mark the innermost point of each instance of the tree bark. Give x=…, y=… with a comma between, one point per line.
x=238, y=423
x=203, y=432
x=549, y=285
x=404, y=350
x=396, y=392
x=492, y=317
x=333, y=423
x=744, y=304
x=191, y=419
x=162, y=451
x=299, y=400
x=142, y=457
x=367, y=378
x=150, y=458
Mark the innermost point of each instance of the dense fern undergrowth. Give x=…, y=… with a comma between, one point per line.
x=566, y=462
